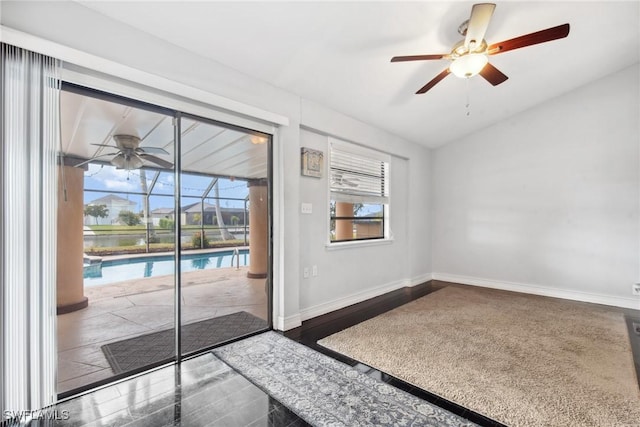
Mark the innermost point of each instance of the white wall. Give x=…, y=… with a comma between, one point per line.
x=547, y=201
x=344, y=276
x=352, y=274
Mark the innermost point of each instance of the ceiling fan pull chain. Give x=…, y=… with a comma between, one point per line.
x=468, y=96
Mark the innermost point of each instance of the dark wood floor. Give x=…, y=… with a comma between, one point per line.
x=320, y=327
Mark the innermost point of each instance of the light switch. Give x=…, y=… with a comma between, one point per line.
x=306, y=208
x=305, y=272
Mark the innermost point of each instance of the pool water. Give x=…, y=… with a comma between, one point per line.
x=153, y=266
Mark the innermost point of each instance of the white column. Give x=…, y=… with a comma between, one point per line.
x=258, y=229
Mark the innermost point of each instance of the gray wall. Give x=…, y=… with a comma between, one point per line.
x=548, y=200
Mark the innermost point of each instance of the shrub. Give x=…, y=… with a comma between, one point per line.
x=197, y=240
x=168, y=224
x=129, y=218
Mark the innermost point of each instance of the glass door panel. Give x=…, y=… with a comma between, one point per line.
x=115, y=283
x=224, y=267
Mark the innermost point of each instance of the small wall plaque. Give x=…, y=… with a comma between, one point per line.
x=312, y=162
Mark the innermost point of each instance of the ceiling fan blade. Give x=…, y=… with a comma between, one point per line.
x=481, y=14
x=434, y=81
x=157, y=160
x=493, y=75
x=418, y=58
x=554, y=33
x=152, y=150
x=95, y=157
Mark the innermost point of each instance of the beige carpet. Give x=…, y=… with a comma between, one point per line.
x=520, y=359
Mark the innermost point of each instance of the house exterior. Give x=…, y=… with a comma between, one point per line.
x=161, y=213
x=231, y=216
x=191, y=215
x=115, y=204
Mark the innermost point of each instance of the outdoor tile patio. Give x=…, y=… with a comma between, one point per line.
x=137, y=307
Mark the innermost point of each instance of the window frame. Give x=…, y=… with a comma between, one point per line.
x=384, y=199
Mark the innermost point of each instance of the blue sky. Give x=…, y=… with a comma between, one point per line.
x=107, y=178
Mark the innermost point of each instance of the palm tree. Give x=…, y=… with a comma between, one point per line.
x=147, y=221
x=224, y=233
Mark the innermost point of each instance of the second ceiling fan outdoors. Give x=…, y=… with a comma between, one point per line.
x=470, y=56
x=130, y=155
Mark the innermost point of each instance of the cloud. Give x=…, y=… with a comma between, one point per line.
x=119, y=185
x=114, y=179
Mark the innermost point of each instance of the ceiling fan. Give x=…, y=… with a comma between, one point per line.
x=130, y=155
x=470, y=56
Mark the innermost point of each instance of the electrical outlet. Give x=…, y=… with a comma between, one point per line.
x=305, y=272
x=314, y=270
x=635, y=289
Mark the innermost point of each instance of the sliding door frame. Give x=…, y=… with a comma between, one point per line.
x=177, y=116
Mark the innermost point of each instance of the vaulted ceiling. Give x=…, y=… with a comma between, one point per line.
x=338, y=54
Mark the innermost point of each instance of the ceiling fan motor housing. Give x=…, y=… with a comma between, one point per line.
x=459, y=49
x=130, y=142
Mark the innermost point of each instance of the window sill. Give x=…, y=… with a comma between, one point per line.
x=357, y=244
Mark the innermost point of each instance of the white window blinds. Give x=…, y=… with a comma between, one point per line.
x=358, y=175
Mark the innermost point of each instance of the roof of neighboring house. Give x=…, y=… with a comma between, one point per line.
x=195, y=207
x=110, y=199
x=161, y=211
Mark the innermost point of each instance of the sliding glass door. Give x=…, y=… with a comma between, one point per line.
x=163, y=243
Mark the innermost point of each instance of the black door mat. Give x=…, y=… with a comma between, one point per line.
x=144, y=350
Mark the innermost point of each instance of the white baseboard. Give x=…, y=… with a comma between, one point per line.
x=286, y=323
x=337, y=304
x=569, y=294
x=418, y=280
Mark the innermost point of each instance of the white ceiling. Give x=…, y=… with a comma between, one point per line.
x=337, y=53
x=206, y=148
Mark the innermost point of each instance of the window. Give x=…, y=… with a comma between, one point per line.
x=359, y=180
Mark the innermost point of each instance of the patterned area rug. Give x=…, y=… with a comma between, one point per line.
x=325, y=392
x=133, y=353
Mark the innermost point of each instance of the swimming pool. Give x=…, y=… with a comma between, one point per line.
x=159, y=265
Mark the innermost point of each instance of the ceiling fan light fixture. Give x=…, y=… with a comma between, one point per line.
x=468, y=65
x=258, y=140
x=125, y=162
